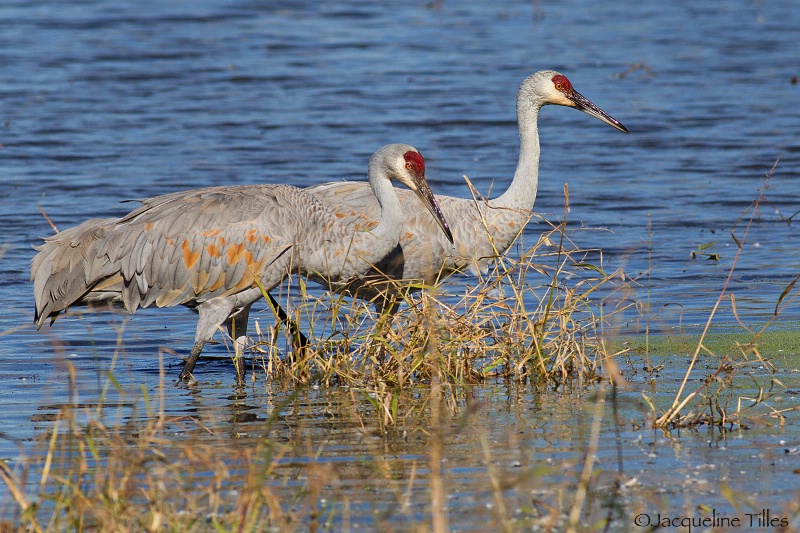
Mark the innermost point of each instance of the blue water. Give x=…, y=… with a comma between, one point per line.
x=105, y=101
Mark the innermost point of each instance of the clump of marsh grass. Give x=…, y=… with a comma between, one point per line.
x=534, y=318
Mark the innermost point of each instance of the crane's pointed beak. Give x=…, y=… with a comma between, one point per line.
x=589, y=108
x=424, y=192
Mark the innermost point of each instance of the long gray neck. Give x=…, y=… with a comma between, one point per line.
x=391, y=223
x=521, y=194
x=345, y=255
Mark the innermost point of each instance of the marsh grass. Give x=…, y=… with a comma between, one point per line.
x=548, y=322
x=105, y=467
x=534, y=319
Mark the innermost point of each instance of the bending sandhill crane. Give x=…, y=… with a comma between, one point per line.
x=205, y=249
x=482, y=230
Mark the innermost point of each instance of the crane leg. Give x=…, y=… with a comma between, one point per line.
x=188, y=366
x=299, y=340
x=387, y=301
x=237, y=328
x=212, y=314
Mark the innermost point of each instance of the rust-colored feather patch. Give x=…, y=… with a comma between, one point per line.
x=235, y=253
x=189, y=257
x=213, y=250
x=252, y=265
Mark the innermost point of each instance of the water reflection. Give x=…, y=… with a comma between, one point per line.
x=333, y=443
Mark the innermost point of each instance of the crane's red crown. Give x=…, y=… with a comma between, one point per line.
x=414, y=161
x=562, y=84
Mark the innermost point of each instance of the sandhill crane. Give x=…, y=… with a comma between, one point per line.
x=205, y=249
x=482, y=230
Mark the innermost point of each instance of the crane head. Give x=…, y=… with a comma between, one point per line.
x=404, y=163
x=416, y=181
x=551, y=87
x=572, y=98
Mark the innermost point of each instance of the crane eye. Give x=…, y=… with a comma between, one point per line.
x=559, y=86
x=409, y=166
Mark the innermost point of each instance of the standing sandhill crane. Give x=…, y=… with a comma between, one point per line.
x=482, y=230
x=205, y=249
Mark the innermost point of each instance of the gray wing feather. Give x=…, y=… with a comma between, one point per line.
x=180, y=248
x=352, y=201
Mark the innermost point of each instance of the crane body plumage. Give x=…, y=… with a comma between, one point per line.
x=205, y=248
x=482, y=229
